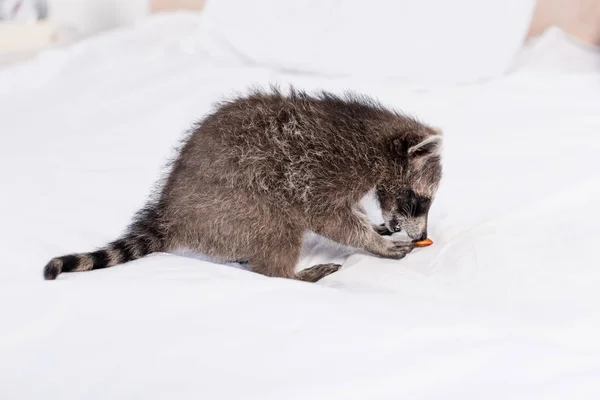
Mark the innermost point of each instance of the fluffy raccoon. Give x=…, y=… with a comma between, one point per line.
x=262, y=169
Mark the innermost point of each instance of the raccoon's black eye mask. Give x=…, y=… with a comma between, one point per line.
x=411, y=204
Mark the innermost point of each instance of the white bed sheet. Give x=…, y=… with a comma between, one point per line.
x=504, y=305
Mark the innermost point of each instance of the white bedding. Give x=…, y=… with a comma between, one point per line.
x=503, y=305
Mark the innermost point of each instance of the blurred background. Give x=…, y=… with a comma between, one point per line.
x=29, y=25
x=88, y=16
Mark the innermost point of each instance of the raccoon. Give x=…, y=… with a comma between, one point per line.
x=262, y=169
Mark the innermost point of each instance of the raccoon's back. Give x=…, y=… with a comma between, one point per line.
x=277, y=144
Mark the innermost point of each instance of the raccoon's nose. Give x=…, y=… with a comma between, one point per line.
x=423, y=236
x=397, y=228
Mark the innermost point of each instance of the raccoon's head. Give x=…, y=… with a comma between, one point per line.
x=405, y=196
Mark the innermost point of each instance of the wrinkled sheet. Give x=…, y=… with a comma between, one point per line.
x=503, y=305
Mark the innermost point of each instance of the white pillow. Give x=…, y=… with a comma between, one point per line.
x=418, y=40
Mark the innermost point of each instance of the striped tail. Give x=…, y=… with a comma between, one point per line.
x=131, y=247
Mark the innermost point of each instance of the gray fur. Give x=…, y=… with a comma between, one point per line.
x=261, y=170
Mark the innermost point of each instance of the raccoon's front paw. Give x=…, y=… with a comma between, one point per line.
x=398, y=250
x=382, y=230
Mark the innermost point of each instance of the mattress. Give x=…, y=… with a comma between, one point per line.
x=503, y=305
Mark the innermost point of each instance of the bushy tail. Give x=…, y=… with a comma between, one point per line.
x=143, y=237
x=130, y=247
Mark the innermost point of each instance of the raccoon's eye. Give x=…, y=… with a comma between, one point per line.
x=423, y=200
x=422, y=205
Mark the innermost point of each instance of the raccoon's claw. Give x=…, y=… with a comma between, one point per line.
x=382, y=230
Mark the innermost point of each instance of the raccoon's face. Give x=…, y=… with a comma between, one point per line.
x=406, y=196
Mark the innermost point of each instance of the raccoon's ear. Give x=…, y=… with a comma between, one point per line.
x=428, y=147
x=400, y=148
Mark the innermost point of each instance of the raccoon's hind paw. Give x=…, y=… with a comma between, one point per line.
x=317, y=272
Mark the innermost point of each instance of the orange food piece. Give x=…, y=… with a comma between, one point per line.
x=424, y=243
